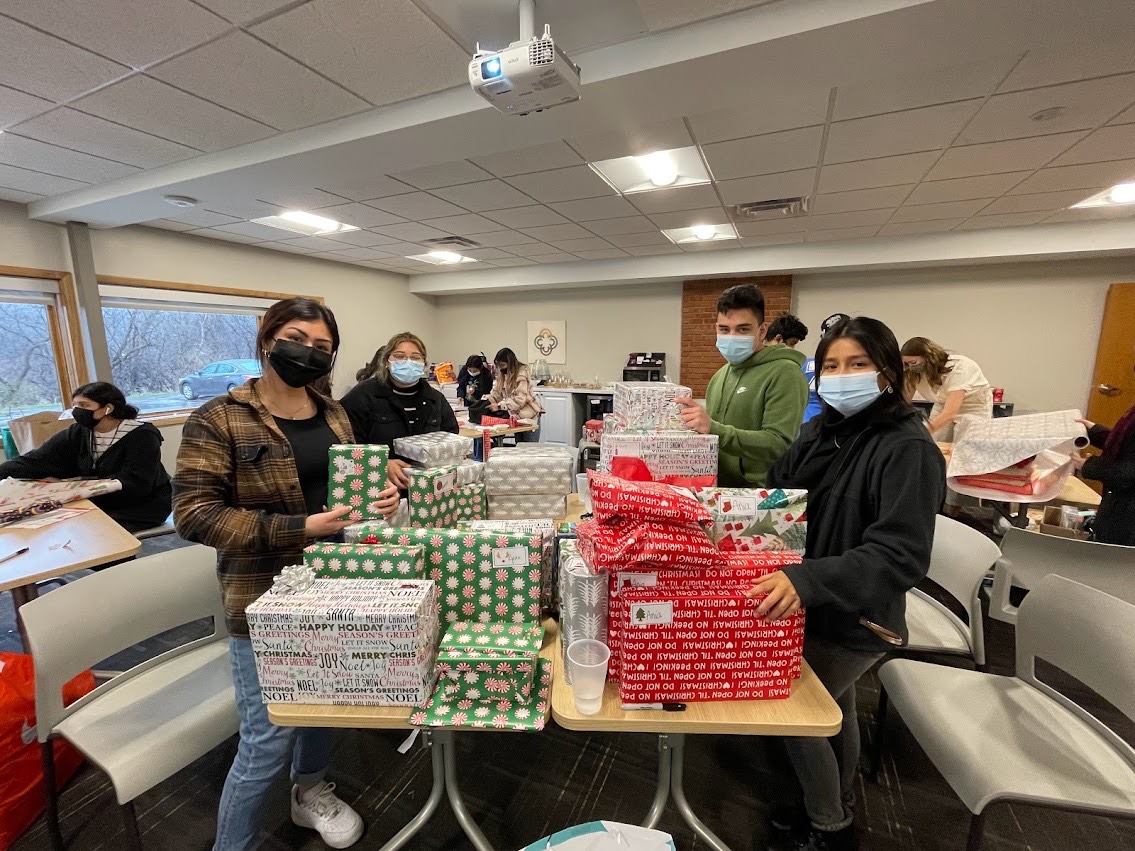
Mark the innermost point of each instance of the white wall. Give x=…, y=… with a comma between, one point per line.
x=603, y=326
x=32, y=245
x=1032, y=327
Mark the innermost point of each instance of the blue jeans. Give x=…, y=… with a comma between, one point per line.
x=263, y=752
x=529, y=436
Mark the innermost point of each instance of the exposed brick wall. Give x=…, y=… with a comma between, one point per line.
x=700, y=358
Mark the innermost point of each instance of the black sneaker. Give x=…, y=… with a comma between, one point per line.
x=790, y=820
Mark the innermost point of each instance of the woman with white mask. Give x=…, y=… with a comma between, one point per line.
x=875, y=481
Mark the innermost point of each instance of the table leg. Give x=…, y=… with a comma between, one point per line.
x=23, y=594
x=662, y=790
x=427, y=812
x=444, y=739
x=678, y=759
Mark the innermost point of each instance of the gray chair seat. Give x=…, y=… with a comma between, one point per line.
x=156, y=723
x=932, y=630
x=996, y=738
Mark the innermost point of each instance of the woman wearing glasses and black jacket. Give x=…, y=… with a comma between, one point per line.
x=397, y=401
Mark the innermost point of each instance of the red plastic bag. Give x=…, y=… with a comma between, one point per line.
x=21, y=767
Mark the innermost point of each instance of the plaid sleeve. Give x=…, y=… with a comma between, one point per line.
x=202, y=497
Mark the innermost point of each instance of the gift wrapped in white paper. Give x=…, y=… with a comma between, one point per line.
x=649, y=405
x=523, y=471
x=527, y=506
x=435, y=449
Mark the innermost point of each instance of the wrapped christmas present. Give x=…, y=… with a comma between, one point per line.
x=382, y=634
x=432, y=496
x=531, y=506
x=612, y=497
x=503, y=714
x=356, y=478
x=546, y=530
x=470, y=472
x=684, y=459
x=363, y=561
x=523, y=471
x=647, y=543
x=489, y=661
x=593, y=431
x=649, y=405
x=472, y=503
x=435, y=449
x=583, y=601
x=750, y=520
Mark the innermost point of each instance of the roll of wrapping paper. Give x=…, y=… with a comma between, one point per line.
x=17, y=514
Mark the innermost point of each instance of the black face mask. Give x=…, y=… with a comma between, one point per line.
x=84, y=418
x=298, y=365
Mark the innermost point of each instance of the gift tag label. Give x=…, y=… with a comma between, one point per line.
x=510, y=556
x=640, y=580
x=629, y=448
x=652, y=614
x=741, y=505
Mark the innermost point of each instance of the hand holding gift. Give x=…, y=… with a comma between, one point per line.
x=396, y=472
x=694, y=416
x=781, y=600
x=328, y=522
x=387, y=502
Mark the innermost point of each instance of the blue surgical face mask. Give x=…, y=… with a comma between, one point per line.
x=407, y=371
x=851, y=393
x=735, y=349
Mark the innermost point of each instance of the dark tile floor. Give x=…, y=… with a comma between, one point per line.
x=523, y=787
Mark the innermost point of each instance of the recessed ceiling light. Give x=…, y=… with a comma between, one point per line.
x=700, y=233
x=1121, y=193
x=441, y=258
x=309, y=224
x=657, y=170
x=1049, y=114
x=182, y=202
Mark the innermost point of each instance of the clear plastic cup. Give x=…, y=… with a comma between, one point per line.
x=584, y=491
x=587, y=660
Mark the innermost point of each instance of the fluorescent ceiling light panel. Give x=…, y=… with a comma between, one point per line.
x=701, y=233
x=659, y=170
x=1121, y=193
x=441, y=258
x=309, y=224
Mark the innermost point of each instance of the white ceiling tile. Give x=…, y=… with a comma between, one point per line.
x=835, y=221
x=486, y=253
x=103, y=138
x=770, y=154
x=444, y=174
x=1089, y=104
x=25, y=180
x=993, y=157
x=557, y=232
x=300, y=199
x=362, y=238
x=841, y=233
x=241, y=206
x=15, y=106
x=338, y=39
x=941, y=85
x=135, y=34
x=405, y=249
x=575, y=246
x=157, y=108
x=503, y=239
x=19, y=197
x=364, y=254
x=416, y=206
x=201, y=218
x=532, y=249
x=1088, y=176
x=965, y=188
x=1061, y=65
x=789, y=184
x=359, y=188
x=260, y=233
x=411, y=232
x=1008, y=220
x=484, y=195
x=42, y=65
x=932, y=226
x=861, y=199
x=913, y=130
x=667, y=14
x=709, y=245
x=633, y=141
x=526, y=160
x=769, y=227
x=945, y=210
x=672, y=200
x=601, y=254
x=464, y=225
x=690, y=218
x=314, y=243
x=170, y=224
x=763, y=110
x=629, y=224
x=243, y=11
x=634, y=240
x=1107, y=143
x=1038, y=202
x=360, y=215
x=245, y=75
x=211, y=233
x=512, y=261
x=594, y=209
x=885, y=171
x=558, y=257
x=772, y=239
x=526, y=217
x=1091, y=214
x=562, y=184
x=1125, y=117
x=650, y=250
x=51, y=159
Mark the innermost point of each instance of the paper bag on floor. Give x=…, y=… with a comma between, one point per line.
x=33, y=430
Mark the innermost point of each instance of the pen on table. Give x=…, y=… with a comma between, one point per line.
x=665, y=707
x=18, y=552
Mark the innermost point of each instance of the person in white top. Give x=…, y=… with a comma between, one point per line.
x=954, y=383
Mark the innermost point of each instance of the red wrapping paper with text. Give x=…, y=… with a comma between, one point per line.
x=699, y=647
x=633, y=543
x=612, y=498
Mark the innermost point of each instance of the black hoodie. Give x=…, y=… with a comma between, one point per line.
x=135, y=459
x=870, y=524
x=376, y=417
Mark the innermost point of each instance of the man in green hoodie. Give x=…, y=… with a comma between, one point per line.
x=755, y=403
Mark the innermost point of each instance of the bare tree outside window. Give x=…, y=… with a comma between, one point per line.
x=29, y=380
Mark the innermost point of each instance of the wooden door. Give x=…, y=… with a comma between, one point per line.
x=1113, y=385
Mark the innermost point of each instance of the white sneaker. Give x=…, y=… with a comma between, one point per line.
x=336, y=822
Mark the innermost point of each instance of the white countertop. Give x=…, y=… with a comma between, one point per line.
x=607, y=391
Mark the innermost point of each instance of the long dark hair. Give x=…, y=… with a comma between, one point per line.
x=105, y=394
x=881, y=345
x=289, y=310
x=508, y=358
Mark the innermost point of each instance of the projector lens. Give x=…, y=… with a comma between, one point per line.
x=490, y=69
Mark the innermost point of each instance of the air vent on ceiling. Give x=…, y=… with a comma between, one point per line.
x=452, y=242
x=775, y=208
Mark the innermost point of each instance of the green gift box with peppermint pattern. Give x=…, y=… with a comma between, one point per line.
x=356, y=477
x=485, y=662
x=502, y=638
x=365, y=561
x=503, y=713
x=433, y=496
x=472, y=503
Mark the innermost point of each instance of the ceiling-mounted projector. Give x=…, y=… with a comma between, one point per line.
x=529, y=75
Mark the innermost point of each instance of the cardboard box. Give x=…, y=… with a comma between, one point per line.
x=363, y=561
x=350, y=642
x=356, y=478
